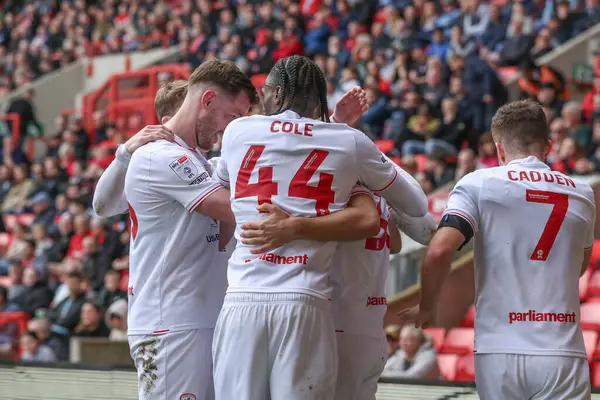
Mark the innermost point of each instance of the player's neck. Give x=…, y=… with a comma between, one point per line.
x=519, y=156
x=182, y=125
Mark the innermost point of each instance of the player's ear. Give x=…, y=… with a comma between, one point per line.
x=208, y=98
x=164, y=119
x=500, y=151
x=548, y=148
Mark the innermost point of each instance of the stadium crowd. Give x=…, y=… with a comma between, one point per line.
x=431, y=69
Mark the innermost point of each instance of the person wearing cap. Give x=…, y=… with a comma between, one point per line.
x=44, y=214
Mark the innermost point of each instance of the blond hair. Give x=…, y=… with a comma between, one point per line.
x=169, y=98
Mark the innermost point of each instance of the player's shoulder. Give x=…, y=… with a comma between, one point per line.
x=582, y=187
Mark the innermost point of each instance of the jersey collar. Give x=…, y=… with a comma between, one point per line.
x=181, y=143
x=289, y=114
x=531, y=161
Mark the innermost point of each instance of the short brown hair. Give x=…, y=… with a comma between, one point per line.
x=169, y=98
x=227, y=76
x=520, y=124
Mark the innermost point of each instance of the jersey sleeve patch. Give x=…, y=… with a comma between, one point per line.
x=184, y=168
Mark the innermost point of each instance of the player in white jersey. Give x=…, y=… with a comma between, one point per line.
x=279, y=300
x=533, y=230
x=109, y=198
x=175, y=294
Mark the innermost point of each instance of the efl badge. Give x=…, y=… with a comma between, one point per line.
x=184, y=168
x=187, y=396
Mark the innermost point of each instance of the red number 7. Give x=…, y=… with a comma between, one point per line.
x=265, y=188
x=557, y=216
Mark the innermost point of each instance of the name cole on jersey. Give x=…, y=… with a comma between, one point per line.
x=184, y=168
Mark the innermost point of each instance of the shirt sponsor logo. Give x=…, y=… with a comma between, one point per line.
x=184, y=168
x=534, y=316
x=275, y=259
x=201, y=178
x=212, y=238
x=376, y=301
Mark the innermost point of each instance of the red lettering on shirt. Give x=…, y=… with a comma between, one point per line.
x=286, y=260
x=534, y=316
x=303, y=129
x=376, y=301
x=534, y=176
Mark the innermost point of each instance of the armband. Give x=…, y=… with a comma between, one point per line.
x=460, y=223
x=122, y=155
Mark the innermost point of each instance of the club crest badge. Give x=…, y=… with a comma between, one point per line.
x=187, y=396
x=184, y=168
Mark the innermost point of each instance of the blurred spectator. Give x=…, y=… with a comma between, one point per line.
x=111, y=291
x=36, y=295
x=116, y=319
x=576, y=127
x=416, y=357
x=67, y=313
x=5, y=304
x=34, y=351
x=91, y=322
x=15, y=274
x=42, y=329
x=392, y=333
x=20, y=190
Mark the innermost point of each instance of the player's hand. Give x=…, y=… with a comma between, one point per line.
x=414, y=315
x=149, y=134
x=351, y=106
x=270, y=233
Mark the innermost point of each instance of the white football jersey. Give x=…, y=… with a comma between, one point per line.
x=308, y=168
x=177, y=275
x=531, y=227
x=358, y=275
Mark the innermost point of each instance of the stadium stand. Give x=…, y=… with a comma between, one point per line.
x=433, y=72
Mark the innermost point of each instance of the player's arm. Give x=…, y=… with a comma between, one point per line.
x=420, y=229
x=458, y=225
x=359, y=220
x=380, y=175
x=109, y=197
x=395, y=238
x=589, y=242
x=178, y=175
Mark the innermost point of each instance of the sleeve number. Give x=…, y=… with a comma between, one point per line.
x=378, y=243
x=560, y=201
x=265, y=188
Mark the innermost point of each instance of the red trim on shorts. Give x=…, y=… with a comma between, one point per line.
x=389, y=184
x=204, y=197
x=160, y=331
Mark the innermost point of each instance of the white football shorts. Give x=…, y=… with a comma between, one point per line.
x=274, y=346
x=361, y=362
x=174, y=365
x=518, y=377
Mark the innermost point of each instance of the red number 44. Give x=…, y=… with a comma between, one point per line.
x=265, y=188
x=560, y=201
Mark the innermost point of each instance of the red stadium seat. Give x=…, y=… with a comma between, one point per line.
x=593, y=300
x=437, y=336
x=459, y=341
x=584, y=285
x=469, y=319
x=385, y=146
x=447, y=363
x=421, y=160
x=590, y=316
x=124, y=282
x=26, y=219
x=595, y=372
x=465, y=369
x=5, y=240
x=10, y=220
x=590, y=339
x=594, y=283
x=595, y=254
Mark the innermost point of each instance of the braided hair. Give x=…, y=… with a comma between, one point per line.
x=303, y=85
